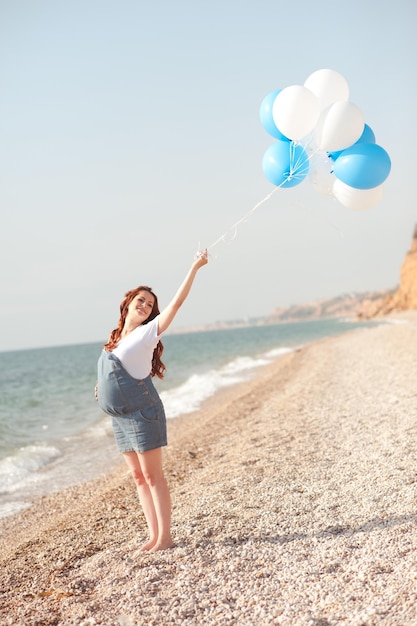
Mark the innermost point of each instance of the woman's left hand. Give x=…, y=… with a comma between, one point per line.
x=201, y=258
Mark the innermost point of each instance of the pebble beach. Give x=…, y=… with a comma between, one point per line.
x=294, y=503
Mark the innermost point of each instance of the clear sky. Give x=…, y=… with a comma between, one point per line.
x=130, y=135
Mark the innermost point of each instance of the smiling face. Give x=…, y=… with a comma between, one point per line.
x=140, y=308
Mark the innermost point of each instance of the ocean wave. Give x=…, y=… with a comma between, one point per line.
x=189, y=396
x=22, y=468
x=11, y=508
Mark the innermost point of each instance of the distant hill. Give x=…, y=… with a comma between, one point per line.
x=347, y=305
x=362, y=305
x=365, y=305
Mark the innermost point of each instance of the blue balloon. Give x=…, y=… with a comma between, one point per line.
x=265, y=114
x=368, y=136
x=363, y=166
x=285, y=164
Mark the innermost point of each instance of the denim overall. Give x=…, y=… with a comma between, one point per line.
x=137, y=412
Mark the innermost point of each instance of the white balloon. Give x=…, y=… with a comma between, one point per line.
x=295, y=111
x=357, y=199
x=329, y=86
x=339, y=126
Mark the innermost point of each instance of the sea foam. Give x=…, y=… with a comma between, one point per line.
x=189, y=396
x=23, y=466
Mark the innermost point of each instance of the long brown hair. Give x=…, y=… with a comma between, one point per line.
x=158, y=367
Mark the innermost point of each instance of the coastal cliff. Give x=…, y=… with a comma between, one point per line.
x=404, y=298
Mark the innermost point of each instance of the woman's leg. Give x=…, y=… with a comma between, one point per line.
x=146, y=469
x=145, y=498
x=151, y=466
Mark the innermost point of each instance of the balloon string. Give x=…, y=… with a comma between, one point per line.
x=233, y=229
x=295, y=164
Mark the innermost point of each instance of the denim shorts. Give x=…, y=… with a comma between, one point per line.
x=140, y=431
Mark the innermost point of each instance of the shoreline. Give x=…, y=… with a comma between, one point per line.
x=59, y=468
x=183, y=432
x=294, y=500
x=52, y=463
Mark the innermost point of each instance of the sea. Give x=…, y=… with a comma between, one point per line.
x=52, y=432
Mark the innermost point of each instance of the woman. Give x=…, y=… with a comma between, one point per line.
x=125, y=391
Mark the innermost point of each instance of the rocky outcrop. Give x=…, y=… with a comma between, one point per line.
x=405, y=297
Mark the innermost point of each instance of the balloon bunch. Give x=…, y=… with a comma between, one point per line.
x=320, y=134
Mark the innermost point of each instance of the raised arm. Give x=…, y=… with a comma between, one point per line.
x=167, y=315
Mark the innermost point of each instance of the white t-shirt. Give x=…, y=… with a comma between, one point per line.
x=136, y=350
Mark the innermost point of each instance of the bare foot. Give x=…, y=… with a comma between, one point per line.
x=162, y=546
x=147, y=546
